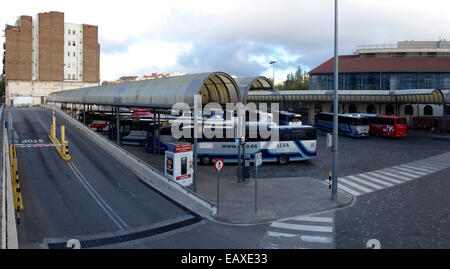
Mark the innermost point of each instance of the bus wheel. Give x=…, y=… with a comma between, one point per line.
x=205, y=160
x=283, y=159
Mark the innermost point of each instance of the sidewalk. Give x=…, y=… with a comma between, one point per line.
x=278, y=198
x=429, y=134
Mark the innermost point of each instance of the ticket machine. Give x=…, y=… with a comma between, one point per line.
x=179, y=164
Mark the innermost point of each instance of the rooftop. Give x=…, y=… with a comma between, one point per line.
x=353, y=63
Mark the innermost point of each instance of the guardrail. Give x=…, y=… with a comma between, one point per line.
x=8, y=223
x=17, y=195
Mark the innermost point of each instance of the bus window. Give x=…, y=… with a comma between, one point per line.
x=401, y=121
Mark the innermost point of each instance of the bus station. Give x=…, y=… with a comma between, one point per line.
x=143, y=113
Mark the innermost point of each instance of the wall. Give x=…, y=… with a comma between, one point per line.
x=18, y=49
x=91, y=54
x=38, y=89
x=73, y=51
x=51, y=46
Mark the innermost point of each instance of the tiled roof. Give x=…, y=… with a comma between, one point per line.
x=351, y=63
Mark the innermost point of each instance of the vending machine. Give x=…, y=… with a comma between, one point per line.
x=179, y=163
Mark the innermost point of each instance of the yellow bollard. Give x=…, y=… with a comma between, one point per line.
x=329, y=181
x=65, y=144
x=53, y=127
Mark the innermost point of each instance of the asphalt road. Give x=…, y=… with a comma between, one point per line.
x=414, y=215
x=89, y=195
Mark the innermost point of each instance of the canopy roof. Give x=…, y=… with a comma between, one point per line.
x=247, y=84
x=422, y=96
x=216, y=87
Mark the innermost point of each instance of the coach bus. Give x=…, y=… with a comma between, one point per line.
x=388, y=126
x=133, y=130
x=289, y=118
x=349, y=124
x=295, y=143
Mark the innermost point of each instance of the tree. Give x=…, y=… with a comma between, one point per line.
x=297, y=81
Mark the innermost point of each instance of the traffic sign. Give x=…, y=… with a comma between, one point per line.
x=218, y=165
x=258, y=159
x=243, y=140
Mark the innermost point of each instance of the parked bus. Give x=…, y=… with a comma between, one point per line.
x=295, y=143
x=388, y=126
x=133, y=130
x=289, y=118
x=353, y=125
x=97, y=120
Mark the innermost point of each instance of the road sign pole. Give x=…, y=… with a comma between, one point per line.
x=217, y=192
x=256, y=189
x=335, y=106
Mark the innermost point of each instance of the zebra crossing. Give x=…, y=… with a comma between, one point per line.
x=302, y=232
x=377, y=180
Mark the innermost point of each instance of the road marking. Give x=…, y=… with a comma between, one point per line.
x=409, y=170
x=427, y=170
x=313, y=219
x=317, y=239
x=386, y=173
x=301, y=232
x=357, y=186
x=371, y=175
x=346, y=189
x=301, y=227
x=277, y=234
x=114, y=217
x=409, y=176
x=363, y=181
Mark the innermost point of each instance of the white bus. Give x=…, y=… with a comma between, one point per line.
x=295, y=143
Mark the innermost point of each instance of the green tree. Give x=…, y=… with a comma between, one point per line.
x=297, y=81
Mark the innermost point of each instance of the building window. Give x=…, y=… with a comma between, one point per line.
x=371, y=109
x=428, y=110
x=73, y=32
x=409, y=110
x=390, y=110
x=352, y=108
x=73, y=43
x=68, y=43
x=69, y=32
x=73, y=54
x=68, y=53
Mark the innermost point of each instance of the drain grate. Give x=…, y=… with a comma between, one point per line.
x=92, y=243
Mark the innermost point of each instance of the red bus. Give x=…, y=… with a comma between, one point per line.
x=388, y=126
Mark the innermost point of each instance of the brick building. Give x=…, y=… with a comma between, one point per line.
x=45, y=54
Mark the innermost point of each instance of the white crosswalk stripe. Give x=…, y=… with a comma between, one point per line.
x=366, y=182
x=357, y=186
x=377, y=180
x=301, y=232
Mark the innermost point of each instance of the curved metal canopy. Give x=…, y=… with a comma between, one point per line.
x=247, y=84
x=216, y=87
x=425, y=96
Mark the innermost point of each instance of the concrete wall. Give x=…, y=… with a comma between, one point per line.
x=39, y=89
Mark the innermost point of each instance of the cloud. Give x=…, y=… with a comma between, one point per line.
x=239, y=37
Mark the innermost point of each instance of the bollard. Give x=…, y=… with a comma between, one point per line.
x=329, y=181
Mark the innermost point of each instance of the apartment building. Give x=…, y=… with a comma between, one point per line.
x=44, y=54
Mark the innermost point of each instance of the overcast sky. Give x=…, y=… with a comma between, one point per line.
x=237, y=37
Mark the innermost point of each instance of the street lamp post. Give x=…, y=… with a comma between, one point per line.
x=335, y=106
x=273, y=64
